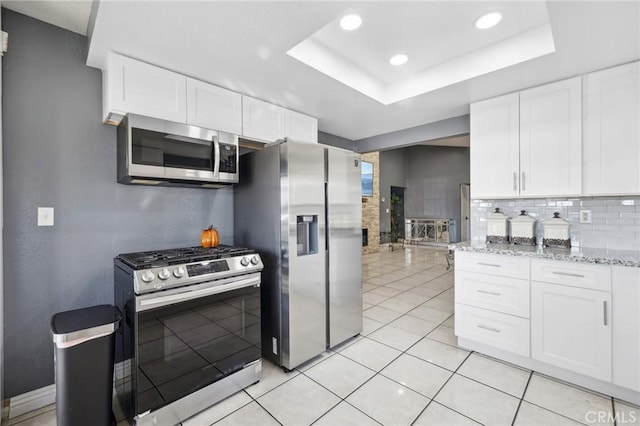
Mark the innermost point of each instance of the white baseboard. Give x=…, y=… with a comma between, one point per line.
x=39, y=398
x=30, y=401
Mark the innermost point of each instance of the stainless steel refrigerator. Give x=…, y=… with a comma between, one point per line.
x=299, y=205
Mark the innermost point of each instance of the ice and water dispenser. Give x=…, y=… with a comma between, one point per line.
x=307, y=234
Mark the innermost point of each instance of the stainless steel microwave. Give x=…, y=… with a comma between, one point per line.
x=158, y=152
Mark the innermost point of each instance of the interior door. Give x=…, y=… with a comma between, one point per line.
x=1, y=246
x=465, y=212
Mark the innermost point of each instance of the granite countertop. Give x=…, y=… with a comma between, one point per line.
x=580, y=255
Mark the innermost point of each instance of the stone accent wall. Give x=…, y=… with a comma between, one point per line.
x=371, y=206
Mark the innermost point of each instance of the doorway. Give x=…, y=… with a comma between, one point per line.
x=396, y=214
x=465, y=211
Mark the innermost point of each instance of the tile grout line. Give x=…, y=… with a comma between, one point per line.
x=524, y=392
x=439, y=390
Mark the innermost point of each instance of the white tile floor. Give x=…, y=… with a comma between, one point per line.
x=405, y=369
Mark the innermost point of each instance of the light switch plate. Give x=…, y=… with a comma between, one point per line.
x=585, y=216
x=45, y=216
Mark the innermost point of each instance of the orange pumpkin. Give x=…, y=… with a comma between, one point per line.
x=210, y=237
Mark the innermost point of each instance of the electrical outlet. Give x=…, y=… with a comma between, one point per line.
x=45, y=216
x=585, y=216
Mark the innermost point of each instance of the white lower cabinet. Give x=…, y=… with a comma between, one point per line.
x=626, y=326
x=576, y=321
x=571, y=328
x=492, y=300
x=501, y=331
x=495, y=293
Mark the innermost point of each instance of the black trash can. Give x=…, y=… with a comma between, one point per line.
x=84, y=349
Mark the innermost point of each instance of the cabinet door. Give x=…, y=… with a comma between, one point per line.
x=611, y=131
x=551, y=140
x=213, y=107
x=131, y=86
x=300, y=128
x=494, y=149
x=626, y=327
x=571, y=328
x=262, y=120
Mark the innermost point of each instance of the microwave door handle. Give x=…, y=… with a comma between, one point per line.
x=216, y=156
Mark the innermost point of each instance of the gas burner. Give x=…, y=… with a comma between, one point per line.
x=162, y=258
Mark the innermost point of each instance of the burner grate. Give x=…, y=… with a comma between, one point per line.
x=160, y=258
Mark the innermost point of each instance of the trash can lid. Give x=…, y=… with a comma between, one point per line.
x=74, y=327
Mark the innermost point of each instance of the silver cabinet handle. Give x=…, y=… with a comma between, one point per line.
x=523, y=181
x=484, y=327
x=515, y=181
x=493, y=265
x=568, y=274
x=604, y=308
x=492, y=293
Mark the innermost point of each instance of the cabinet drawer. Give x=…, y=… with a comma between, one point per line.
x=505, y=266
x=596, y=277
x=500, y=294
x=501, y=331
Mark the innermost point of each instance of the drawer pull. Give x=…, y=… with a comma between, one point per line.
x=568, y=274
x=492, y=293
x=604, y=306
x=493, y=265
x=484, y=327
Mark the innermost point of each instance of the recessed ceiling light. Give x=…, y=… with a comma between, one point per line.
x=489, y=20
x=399, y=59
x=350, y=22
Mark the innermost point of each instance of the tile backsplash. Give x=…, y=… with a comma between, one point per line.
x=615, y=221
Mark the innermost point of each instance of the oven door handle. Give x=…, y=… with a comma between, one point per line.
x=159, y=301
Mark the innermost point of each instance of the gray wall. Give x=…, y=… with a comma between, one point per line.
x=393, y=172
x=57, y=153
x=434, y=175
x=414, y=135
x=333, y=140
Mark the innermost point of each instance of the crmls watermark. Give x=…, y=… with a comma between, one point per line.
x=607, y=417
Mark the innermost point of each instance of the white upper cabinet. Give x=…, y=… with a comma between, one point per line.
x=262, y=120
x=131, y=86
x=299, y=127
x=213, y=107
x=528, y=144
x=494, y=150
x=626, y=326
x=612, y=131
x=268, y=122
x=551, y=139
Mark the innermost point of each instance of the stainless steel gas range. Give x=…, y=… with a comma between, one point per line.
x=191, y=329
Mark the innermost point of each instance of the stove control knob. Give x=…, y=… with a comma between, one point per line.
x=147, y=276
x=164, y=274
x=179, y=272
x=254, y=260
x=244, y=261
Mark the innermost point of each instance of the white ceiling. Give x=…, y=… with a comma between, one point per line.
x=72, y=15
x=360, y=58
x=243, y=46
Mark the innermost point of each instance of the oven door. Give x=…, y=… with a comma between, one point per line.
x=191, y=337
